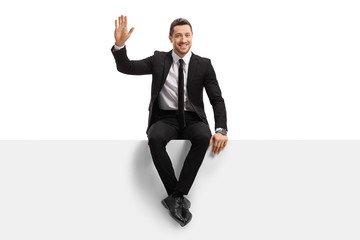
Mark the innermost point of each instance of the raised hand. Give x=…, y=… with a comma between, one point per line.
x=121, y=33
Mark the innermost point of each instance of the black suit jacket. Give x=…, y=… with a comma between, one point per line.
x=201, y=75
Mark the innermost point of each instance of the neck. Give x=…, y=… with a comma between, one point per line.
x=181, y=55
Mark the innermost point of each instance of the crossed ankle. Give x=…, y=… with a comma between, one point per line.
x=177, y=194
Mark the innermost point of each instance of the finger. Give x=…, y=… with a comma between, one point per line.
x=214, y=150
x=217, y=149
x=115, y=23
x=219, y=146
x=121, y=20
x=211, y=139
x=125, y=24
x=131, y=30
x=216, y=146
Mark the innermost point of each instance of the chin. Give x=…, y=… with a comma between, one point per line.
x=184, y=51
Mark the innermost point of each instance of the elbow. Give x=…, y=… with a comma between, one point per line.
x=216, y=101
x=122, y=69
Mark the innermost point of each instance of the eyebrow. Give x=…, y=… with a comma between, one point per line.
x=184, y=33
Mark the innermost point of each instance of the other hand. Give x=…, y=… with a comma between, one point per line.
x=220, y=142
x=121, y=33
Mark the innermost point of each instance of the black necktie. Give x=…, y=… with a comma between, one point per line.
x=181, y=95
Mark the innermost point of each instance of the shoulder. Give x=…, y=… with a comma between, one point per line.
x=203, y=63
x=201, y=60
x=159, y=57
x=161, y=53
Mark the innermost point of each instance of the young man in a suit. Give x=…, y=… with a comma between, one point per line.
x=176, y=108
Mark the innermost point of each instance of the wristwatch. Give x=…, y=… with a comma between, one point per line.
x=223, y=131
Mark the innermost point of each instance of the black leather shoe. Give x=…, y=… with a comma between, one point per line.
x=185, y=210
x=175, y=207
x=187, y=216
x=186, y=203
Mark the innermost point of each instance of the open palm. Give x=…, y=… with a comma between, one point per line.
x=121, y=33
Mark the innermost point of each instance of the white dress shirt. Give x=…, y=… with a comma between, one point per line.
x=168, y=96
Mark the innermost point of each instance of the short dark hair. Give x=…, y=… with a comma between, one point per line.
x=177, y=22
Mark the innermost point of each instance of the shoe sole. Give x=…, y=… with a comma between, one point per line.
x=164, y=204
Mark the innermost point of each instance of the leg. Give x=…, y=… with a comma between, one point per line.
x=199, y=134
x=160, y=133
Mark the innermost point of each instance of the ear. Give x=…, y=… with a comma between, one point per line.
x=170, y=38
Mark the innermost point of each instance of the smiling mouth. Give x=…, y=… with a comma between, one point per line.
x=184, y=45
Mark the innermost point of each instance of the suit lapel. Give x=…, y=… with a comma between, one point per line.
x=167, y=64
x=191, y=69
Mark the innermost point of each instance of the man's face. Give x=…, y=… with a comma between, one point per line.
x=181, y=39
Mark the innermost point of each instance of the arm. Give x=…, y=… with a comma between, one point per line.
x=123, y=64
x=214, y=93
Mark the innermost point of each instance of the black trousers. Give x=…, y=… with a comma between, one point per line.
x=166, y=129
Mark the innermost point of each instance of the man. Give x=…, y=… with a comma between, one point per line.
x=176, y=108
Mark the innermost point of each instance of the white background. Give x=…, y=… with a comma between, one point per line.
x=287, y=69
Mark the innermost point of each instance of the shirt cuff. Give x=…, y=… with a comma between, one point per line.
x=116, y=48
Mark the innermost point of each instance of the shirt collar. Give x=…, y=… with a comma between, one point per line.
x=186, y=58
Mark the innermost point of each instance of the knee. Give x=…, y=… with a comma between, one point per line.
x=202, y=139
x=156, y=139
